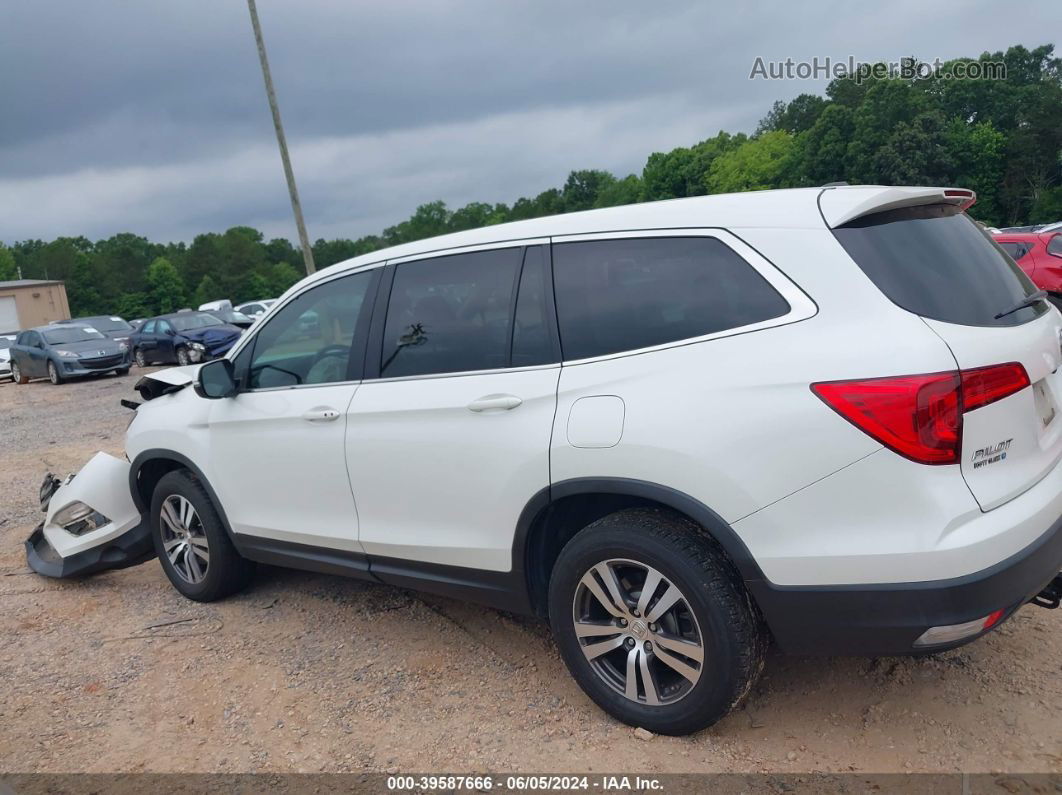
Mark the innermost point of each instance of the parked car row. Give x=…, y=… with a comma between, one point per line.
x=103, y=344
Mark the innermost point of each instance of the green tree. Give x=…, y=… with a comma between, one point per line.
x=621, y=191
x=764, y=162
x=165, y=286
x=206, y=291
x=824, y=146
x=8, y=267
x=133, y=305
x=82, y=289
x=281, y=277
x=793, y=117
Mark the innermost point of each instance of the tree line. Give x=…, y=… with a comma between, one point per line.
x=1002, y=138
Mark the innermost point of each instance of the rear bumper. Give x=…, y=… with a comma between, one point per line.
x=873, y=620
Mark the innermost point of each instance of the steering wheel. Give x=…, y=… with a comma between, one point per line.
x=331, y=350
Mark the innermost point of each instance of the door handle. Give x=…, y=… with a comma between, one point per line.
x=321, y=414
x=495, y=402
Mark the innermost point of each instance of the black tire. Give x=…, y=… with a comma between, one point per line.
x=140, y=358
x=16, y=374
x=226, y=572
x=182, y=357
x=731, y=632
x=53, y=373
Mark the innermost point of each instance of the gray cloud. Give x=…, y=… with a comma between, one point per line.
x=119, y=115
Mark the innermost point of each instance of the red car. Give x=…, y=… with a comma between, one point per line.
x=1039, y=254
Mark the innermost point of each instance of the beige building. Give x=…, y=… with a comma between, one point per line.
x=30, y=302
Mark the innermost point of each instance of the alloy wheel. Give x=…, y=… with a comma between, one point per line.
x=182, y=357
x=184, y=539
x=16, y=373
x=638, y=632
x=53, y=374
x=141, y=360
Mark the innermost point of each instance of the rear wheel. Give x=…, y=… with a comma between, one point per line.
x=654, y=622
x=182, y=357
x=16, y=374
x=190, y=540
x=138, y=356
x=53, y=374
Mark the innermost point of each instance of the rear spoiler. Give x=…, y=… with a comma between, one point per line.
x=841, y=205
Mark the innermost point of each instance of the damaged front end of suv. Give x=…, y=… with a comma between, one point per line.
x=91, y=523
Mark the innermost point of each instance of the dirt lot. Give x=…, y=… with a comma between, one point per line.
x=306, y=672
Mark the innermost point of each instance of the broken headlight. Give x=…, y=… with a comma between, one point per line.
x=77, y=518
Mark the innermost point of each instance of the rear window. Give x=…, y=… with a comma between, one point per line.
x=1015, y=250
x=935, y=262
x=621, y=295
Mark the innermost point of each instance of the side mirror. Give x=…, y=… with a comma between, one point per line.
x=216, y=379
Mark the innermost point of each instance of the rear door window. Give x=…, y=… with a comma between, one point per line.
x=935, y=262
x=630, y=293
x=450, y=314
x=1016, y=250
x=1054, y=246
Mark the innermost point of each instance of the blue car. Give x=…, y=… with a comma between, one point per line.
x=182, y=338
x=66, y=351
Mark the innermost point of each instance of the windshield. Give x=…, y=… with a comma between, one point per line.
x=105, y=323
x=193, y=320
x=62, y=336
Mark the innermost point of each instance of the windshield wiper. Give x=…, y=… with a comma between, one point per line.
x=1031, y=300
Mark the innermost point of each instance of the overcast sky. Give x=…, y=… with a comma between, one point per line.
x=150, y=117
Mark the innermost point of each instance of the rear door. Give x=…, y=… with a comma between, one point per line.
x=164, y=334
x=450, y=442
x=146, y=340
x=933, y=261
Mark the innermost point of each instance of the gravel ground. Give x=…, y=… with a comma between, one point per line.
x=306, y=672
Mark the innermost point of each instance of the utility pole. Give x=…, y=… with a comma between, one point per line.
x=296, y=207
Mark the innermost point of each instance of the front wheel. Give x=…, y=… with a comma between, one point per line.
x=191, y=542
x=182, y=357
x=16, y=374
x=53, y=374
x=654, y=622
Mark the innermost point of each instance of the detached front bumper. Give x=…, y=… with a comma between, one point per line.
x=116, y=537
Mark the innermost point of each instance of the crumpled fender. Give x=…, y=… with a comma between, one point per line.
x=172, y=379
x=103, y=484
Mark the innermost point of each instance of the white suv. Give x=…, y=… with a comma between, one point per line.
x=678, y=429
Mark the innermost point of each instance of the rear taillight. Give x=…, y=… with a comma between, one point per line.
x=988, y=384
x=920, y=416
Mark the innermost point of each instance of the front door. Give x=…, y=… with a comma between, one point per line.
x=449, y=444
x=279, y=441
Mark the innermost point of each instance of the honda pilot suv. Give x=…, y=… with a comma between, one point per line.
x=678, y=430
